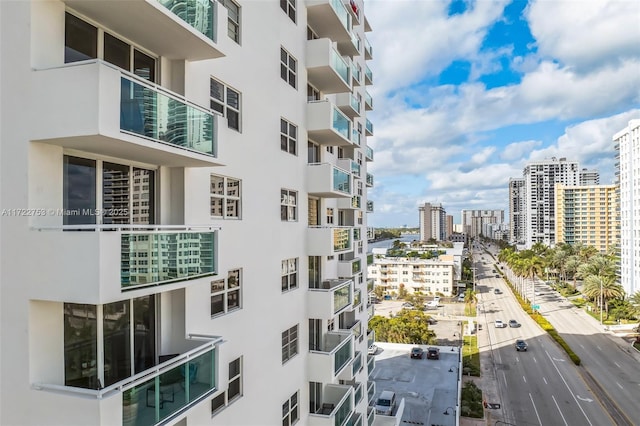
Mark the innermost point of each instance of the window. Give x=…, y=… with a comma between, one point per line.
x=226, y=294
x=218, y=402
x=290, y=414
x=288, y=205
x=235, y=379
x=289, y=7
x=313, y=94
x=289, y=274
x=81, y=43
x=288, y=137
x=329, y=216
x=289, y=343
x=233, y=19
x=288, y=68
x=225, y=197
x=226, y=101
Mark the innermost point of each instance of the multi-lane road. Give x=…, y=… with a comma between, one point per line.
x=542, y=386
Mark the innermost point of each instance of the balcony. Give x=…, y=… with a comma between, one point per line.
x=169, y=28
x=355, y=137
x=370, y=284
x=330, y=298
x=349, y=268
x=348, y=104
x=368, y=50
x=151, y=396
x=371, y=338
x=367, y=26
x=356, y=75
x=98, y=108
x=357, y=298
x=368, y=128
x=371, y=415
x=335, y=408
x=369, y=206
x=371, y=364
x=368, y=76
x=327, y=71
x=351, y=47
x=357, y=234
x=327, y=125
x=368, y=155
x=351, y=165
x=370, y=311
x=329, y=181
x=353, y=9
x=369, y=180
x=368, y=101
x=333, y=354
x=329, y=241
x=329, y=18
x=108, y=256
x=352, y=203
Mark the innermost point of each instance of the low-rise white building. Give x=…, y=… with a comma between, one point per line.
x=428, y=276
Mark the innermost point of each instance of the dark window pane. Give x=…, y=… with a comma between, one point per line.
x=144, y=66
x=233, y=99
x=144, y=333
x=218, y=402
x=79, y=191
x=233, y=300
x=217, y=90
x=115, y=193
x=233, y=119
x=80, y=346
x=80, y=40
x=234, y=368
x=217, y=304
x=117, y=52
x=234, y=388
x=117, y=341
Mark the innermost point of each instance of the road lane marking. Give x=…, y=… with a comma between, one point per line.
x=535, y=360
x=535, y=409
x=524, y=378
x=599, y=348
x=617, y=365
x=619, y=385
x=582, y=346
x=504, y=379
x=545, y=381
x=560, y=411
x=568, y=388
x=584, y=399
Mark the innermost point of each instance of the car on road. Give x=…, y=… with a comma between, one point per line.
x=521, y=345
x=500, y=324
x=432, y=321
x=407, y=305
x=385, y=403
x=461, y=297
x=372, y=350
x=416, y=353
x=433, y=353
x=497, y=276
x=538, y=293
x=497, y=291
x=514, y=324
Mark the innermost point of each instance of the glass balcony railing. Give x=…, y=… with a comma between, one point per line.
x=371, y=337
x=371, y=365
x=369, y=153
x=355, y=104
x=356, y=203
x=340, y=66
x=173, y=264
x=370, y=206
x=355, y=168
x=355, y=72
x=341, y=298
x=358, y=393
x=369, y=126
x=368, y=100
x=371, y=415
x=357, y=297
x=342, y=356
x=199, y=14
x=341, y=239
x=343, y=412
x=355, y=137
x=368, y=74
x=356, y=233
x=371, y=389
x=169, y=391
x=342, y=13
x=341, y=181
x=341, y=123
x=370, y=312
x=149, y=112
x=369, y=179
x=356, y=266
x=368, y=49
x=354, y=420
x=370, y=284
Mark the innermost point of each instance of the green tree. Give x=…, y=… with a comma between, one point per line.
x=602, y=288
x=402, y=291
x=408, y=326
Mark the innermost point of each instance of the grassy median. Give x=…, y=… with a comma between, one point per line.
x=470, y=356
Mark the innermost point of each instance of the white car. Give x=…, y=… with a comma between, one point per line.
x=500, y=324
x=372, y=350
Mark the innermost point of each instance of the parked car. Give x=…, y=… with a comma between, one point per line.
x=497, y=291
x=416, y=353
x=432, y=321
x=373, y=349
x=407, y=305
x=497, y=276
x=433, y=353
x=461, y=297
x=500, y=324
x=521, y=345
x=385, y=403
x=514, y=324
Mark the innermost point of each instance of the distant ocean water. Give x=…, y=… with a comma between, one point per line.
x=407, y=238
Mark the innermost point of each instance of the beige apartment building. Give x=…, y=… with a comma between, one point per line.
x=587, y=215
x=428, y=276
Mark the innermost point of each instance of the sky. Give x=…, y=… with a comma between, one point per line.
x=466, y=93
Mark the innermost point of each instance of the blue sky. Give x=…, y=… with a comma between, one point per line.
x=467, y=92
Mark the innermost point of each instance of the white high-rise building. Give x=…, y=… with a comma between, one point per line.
x=626, y=143
x=516, y=211
x=184, y=212
x=474, y=221
x=540, y=178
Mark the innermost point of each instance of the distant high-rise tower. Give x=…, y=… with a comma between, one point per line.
x=628, y=169
x=432, y=218
x=589, y=177
x=540, y=178
x=473, y=221
x=516, y=211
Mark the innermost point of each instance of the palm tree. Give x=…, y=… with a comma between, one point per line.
x=602, y=288
x=571, y=268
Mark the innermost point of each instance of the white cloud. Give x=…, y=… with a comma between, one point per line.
x=517, y=150
x=586, y=34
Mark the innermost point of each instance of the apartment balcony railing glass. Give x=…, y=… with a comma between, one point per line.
x=371, y=415
x=341, y=66
x=369, y=127
x=173, y=264
x=356, y=73
x=341, y=239
x=355, y=168
x=359, y=388
x=371, y=364
x=342, y=356
x=368, y=75
x=369, y=154
x=354, y=103
x=369, y=180
x=368, y=50
x=199, y=14
x=357, y=297
x=150, y=112
x=342, y=13
x=357, y=234
x=355, y=137
x=341, y=181
x=370, y=206
x=370, y=284
x=371, y=389
x=371, y=337
x=341, y=298
x=341, y=123
x=368, y=101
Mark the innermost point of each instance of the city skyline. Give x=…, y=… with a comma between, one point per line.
x=501, y=84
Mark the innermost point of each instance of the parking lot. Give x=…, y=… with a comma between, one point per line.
x=429, y=387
